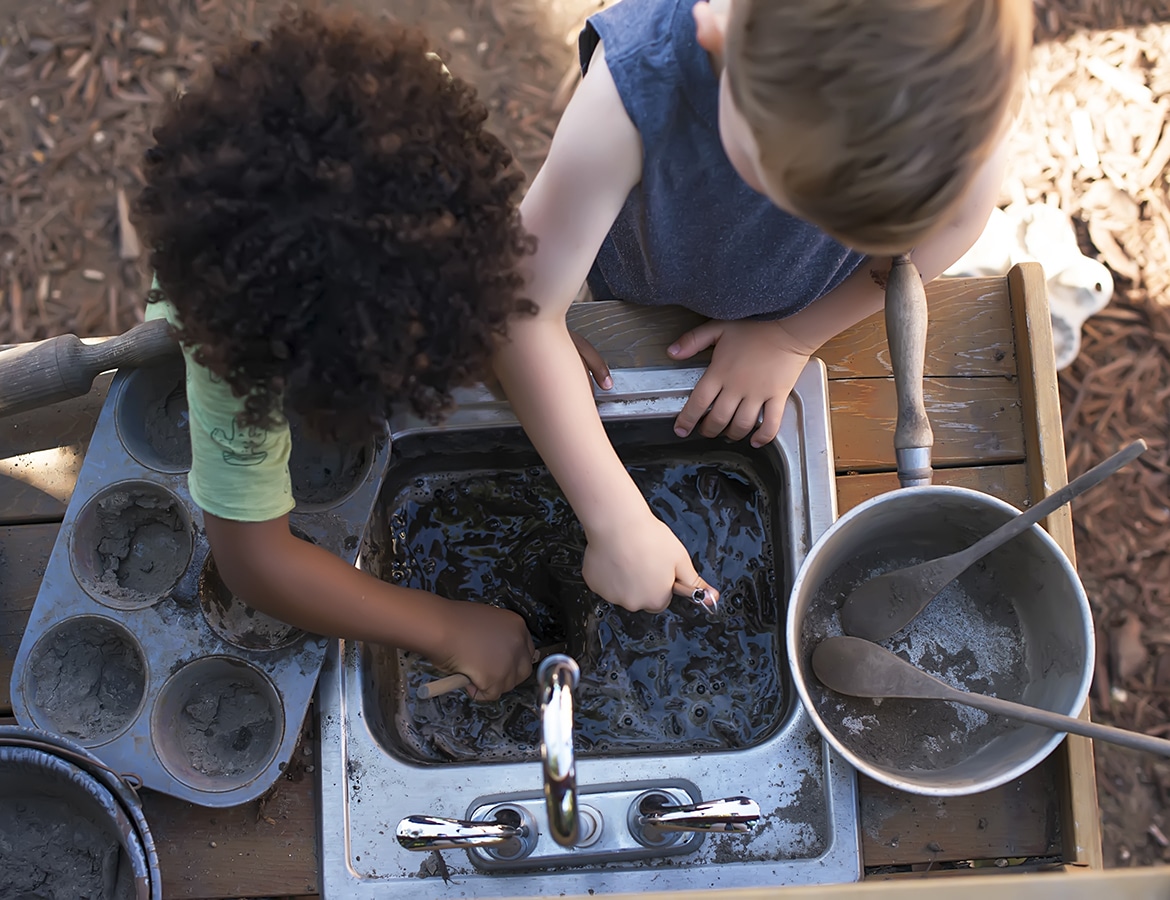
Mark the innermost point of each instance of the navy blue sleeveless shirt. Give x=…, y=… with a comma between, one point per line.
x=692, y=232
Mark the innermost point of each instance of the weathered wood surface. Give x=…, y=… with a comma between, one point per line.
x=972, y=380
x=41, y=453
x=1044, y=440
x=1007, y=482
x=264, y=848
x=24, y=554
x=970, y=333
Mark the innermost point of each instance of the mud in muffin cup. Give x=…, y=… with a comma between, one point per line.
x=217, y=724
x=324, y=473
x=151, y=418
x=85, y=679
x=236, y=622
x=130, y=544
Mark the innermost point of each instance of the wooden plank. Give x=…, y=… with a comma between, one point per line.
x=1044, y=439
x=238, y=851
x=24, y=553
x=1017, y=819
x=975, y=421
x=41, y=452
x=970, y=333
x=1007, y=482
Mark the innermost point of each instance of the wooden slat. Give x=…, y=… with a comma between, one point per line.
x=1017, y=819
x=1008, y=482
x=24, y=553
x=1044, y=439
x=970, y=333
x=41, y=452
x=251, y=856
x=975, y=421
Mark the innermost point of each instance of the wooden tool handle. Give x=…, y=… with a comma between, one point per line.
x=449, y=683
x=444, y=685
x=63, y=367
x=906, y=332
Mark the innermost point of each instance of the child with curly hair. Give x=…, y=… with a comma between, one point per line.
x=746, y=159
x=332, y=231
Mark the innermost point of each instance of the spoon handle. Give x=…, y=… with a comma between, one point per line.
x=1054, y=501
x=1057, y=722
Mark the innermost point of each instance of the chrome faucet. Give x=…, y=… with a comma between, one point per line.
x=556, y=678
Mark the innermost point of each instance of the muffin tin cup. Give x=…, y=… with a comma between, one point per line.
x=131, y=578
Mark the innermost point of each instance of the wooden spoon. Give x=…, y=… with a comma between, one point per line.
x=853, y=666
x=884, y=605
x=448, y=683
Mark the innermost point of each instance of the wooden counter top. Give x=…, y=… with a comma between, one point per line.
x=990, y=386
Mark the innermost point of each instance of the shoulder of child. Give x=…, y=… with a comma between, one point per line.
x=596, y=139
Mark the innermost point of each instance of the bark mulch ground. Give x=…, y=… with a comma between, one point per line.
x=79, y=82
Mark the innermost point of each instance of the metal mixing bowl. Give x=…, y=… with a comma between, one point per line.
x=1017, y=624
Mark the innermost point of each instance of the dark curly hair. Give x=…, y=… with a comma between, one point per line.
x=333, y=223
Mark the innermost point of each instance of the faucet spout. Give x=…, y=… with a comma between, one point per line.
x=556, y=678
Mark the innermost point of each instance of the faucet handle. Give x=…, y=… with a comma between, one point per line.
x=434, y=833
x=655, y=810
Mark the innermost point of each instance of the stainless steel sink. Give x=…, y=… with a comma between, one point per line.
x=659, y=723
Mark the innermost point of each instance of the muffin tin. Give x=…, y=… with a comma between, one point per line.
x=135, y=648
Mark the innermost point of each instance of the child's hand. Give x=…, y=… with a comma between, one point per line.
x=753, y=368
x=594, y=364
x=636, y=565
x=491, y=646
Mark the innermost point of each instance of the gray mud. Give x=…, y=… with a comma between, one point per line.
x=235, y=621
x=142, y=545
x=88, y=679
x=50, y=852
x=167, y=428
x=969, y=636
x=322, y=471
x=228, y=729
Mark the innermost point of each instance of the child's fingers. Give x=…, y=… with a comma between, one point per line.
x=706, y=335
x=594, y=363
x=697, y=404
x=770, y=426
x=722, y=412
x=698, y=591
x=745, y=419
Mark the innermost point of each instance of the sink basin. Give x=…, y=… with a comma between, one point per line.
x=684, y=704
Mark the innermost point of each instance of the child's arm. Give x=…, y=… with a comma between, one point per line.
x=755, y=364
x=632, y=558
x=274, y=571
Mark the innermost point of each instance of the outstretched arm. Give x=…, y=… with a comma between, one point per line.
x=274, y=571
x=632, y=558
x=755, y=364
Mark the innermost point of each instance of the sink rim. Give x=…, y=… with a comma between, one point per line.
x=346, y=757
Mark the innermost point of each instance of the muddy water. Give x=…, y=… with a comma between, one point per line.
x=680, y=681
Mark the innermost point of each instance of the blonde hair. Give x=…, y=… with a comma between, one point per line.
x=872, y=116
